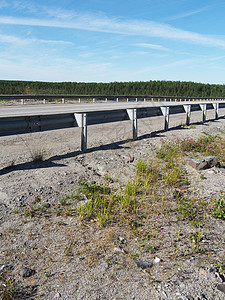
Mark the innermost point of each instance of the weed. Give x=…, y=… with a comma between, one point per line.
x=202, y=177
x=48, y=274
x=174, y=248
x=99, y=204
x=37, y=154
x=218, y=206
x=108, y=178
x=167, y=150
x=68, y=211
x=7, y=288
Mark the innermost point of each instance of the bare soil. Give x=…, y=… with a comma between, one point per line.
x=82, y=260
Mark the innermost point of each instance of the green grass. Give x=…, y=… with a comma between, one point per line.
x=218, y=206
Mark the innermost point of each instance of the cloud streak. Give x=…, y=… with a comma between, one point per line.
x=23, y=41
x=98, y=23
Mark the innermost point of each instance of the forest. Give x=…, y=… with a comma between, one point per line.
x=148, y=88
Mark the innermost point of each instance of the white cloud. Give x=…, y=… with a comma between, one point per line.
x=187, y=14
x=127, y=27
x=153, y=46
x=17, y=41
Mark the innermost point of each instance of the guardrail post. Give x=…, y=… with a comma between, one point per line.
x=127, y=99
x=117, y=99
x=43, y=101
x=136, y=99
x=187, y=109
x=81, y=119
x=132, y=113
x=166, y=114
x=216, y=109
x=203, y=108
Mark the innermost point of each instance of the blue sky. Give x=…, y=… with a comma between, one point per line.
x=105, y=40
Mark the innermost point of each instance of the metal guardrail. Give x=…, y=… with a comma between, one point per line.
x=105, y=98
x=36, y=123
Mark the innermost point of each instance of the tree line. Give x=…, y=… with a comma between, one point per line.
x=149, y=88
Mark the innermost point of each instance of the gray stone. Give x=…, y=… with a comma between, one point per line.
x=26, y=272
x=143, y=264
x=57, y=295
x=204, y=163
x=221, y=287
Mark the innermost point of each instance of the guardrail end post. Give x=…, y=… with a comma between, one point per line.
x=132, y=113
x=216, y=109
x=81, y=119
x=203, y=108
x=84, y=133
x=166, y=113
x=187, y=108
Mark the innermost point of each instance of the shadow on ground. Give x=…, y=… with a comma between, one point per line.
x=52, y=161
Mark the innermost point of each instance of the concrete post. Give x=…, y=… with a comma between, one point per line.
x=63, y=100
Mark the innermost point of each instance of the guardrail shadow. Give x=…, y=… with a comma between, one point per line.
x=52, y=162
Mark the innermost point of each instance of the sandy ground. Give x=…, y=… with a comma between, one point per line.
x=40, y=243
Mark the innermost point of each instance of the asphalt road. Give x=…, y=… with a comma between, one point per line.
x=50, y=109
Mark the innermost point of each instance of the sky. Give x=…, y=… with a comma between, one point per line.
x=112, y=40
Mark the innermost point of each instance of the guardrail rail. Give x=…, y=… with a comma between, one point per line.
x=11, y=125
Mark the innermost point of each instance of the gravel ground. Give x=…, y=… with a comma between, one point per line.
x=99, y=267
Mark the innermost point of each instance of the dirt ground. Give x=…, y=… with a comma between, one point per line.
x=85, y=261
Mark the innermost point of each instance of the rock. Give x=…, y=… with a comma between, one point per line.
x=157, y=260
x=143, y=264
x=221, y=287
x=204, y=163
x=118, y=250
x=26, y=272
x=122, y=240
x=84, y=200
x=5, y=268
x=57, y=295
